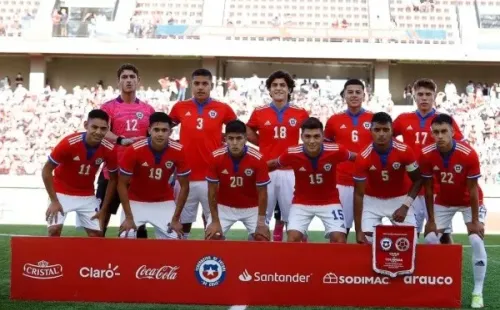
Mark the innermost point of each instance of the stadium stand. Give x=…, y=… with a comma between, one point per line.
x=16, y=16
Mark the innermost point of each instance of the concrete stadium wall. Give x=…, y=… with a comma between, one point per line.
x=11, y=65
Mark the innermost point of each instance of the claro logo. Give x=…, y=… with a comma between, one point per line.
x=97, y=273
x=428, y=280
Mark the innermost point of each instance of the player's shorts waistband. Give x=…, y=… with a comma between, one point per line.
x=385, y=198
x=330, y=205
x=236, y=208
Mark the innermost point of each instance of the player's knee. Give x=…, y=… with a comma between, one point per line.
x=94, y=233
x=338, y=237
x=445, y=238
x=187, y=227
x=294, y=236
x=55, y=230
x=431, y=238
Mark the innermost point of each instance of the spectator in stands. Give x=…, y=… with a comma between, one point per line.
x=450, y=90
x=182, y=87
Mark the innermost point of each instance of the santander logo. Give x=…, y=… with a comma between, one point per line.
x=162, y=273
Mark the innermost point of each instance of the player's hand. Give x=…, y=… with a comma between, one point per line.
x=361, y=238
x=128, y=225
x=476, y=227
x=263, y=232
x=52, y=211
x=176, y=226
x=100, y=216
x=430, y=227
x=400, y=214
x=214, y=230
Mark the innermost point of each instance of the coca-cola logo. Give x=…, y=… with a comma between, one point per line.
x=42, y=270
x=162, y=273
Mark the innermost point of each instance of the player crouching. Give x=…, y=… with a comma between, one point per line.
x=455, y=166
x=380, y=173
x=75, y=161
x=143, y=184
x=314, y=164
x=237, y=187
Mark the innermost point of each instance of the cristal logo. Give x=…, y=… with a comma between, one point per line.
x=332, y=278
x=428, y=280
x=95, y=273
x=42, y=271
x=245, y=276
x=162, y=273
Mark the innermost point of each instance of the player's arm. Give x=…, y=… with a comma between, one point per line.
x=396, y=127
x=329, y=130
x=183, y=177
x=127, y=165
x=212, y=178
x=47, y=176
x=262, y=180
x=252, y=126
x=112, y=165
x=417, y=181
x=473, y=174
x=360, y=176
x=457, y=133
x=428, y=184
x=283, y=161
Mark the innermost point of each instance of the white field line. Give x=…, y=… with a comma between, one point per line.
x=237, y=307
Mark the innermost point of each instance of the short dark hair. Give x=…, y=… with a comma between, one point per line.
x=442, y=118
x=160, y=117
x=236, y=126
x=382, y=118
x=98, y=113
x=124, y=67
x=353, y=82
x=312, y=123
x=425, y=83
x=281, y=75
x=202, y=72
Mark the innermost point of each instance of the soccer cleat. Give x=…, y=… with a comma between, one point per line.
x=477, y=301
x=278, y=232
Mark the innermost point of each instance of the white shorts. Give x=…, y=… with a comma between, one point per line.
x=198, y=194
x=280, y=191
x=228, y=216
x=375, y=209
x=332, y=217
x=421, y=214
x=158, y=214
x=444, y=215
x=84, y=206
x=346, y=195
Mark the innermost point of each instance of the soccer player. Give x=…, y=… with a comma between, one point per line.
x=381, y=188
x=454, y=166
x=237, y=186
x=129, y=121
x=143, y=185
x=314, y=166
x=201, y=119
x=414, y=127
x=352, y=130
x=274, y=128
x=70, y=172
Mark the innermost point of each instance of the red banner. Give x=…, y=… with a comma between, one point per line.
x=227, y=273
x=394, y=250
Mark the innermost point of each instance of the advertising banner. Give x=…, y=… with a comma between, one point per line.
x=227, y=273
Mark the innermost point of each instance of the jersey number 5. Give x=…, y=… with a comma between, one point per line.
x=385, y=175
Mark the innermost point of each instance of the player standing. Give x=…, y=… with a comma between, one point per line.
x=201, y=119
x=70, y=172
x=381, y=188
x=143, y=185
x=352, y=130
x=274, y=128
x=454, y=166
x=237, y=186
x=129, y=121
x=314, y=166
x=415, y=128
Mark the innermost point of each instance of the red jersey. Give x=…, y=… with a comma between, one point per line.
x=385, y=173
x=127, y=120
x=151, y=170
x=277, y=129
x=78, y=163
x=353, y=132
x=238, y=178
x=451, y=173
x=201, y=131
x=315, y=183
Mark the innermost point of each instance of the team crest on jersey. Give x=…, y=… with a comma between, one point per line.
x=212, y=114
x=458, y=168
x=367, y=125
x=292, y=122
x=327, y=167
x=169, y=164
x=139, y=115
x=396, y=165
x=98, y=161
x=248, y=172
x=386, y=244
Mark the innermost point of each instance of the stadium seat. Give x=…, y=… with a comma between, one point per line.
x=13, y=15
